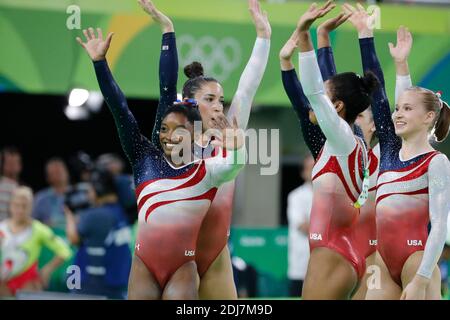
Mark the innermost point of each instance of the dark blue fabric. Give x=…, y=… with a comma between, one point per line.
x=146, y=159
x=168, y=76
x=104, y=227
x=125, y=190
x=325, y=59
x=312, y=134
x=390, y=143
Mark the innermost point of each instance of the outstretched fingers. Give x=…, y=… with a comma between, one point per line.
x=100, y=33
x=86, y=35
x=81, y=42
x=91, y=33
x=109, y=38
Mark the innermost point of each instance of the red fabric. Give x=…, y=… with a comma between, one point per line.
x=335, y=220
x=18, y=282
x=213, y=236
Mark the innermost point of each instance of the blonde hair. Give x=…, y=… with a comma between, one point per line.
x=23, y=191
x=432, y=102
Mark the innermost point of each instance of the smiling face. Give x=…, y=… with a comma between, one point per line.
x=410, y=116
x=210, y=101
x=175, y=130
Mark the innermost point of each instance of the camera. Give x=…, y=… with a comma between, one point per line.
x=77, y=197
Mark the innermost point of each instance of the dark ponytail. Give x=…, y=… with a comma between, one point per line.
x=196, y=79
x=354, y=91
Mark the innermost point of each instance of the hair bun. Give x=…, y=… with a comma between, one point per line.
x=369, y=82
x=194, y=70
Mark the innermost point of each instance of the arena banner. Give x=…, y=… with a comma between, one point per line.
x=39, y=53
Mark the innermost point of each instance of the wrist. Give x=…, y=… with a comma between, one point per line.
x=168, y=28
x=262, y=34
x=365, y=33
x=99, y=58
x=421, y=280
x=286, y=64
x=322, y=32
x=401, y=62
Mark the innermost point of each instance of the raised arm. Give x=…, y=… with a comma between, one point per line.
x=312, y=134
x=400, y=53
x=380, y=107
x=254, y=70
x=168, y=65
x=439, y=205
x=133, y=143
x=324, y=50
x=338, y=133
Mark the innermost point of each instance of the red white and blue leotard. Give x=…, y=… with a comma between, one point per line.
x=172, y=202
x=412, y=194
x=366, y=233
x=365, y=237
x=215, y=228
x=337, y=174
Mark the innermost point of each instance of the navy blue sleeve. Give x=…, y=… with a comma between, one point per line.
x=168, y=76
x=134, y=144
x=325, y=59
x=380, y=104
x=312, y=134
x=84, y=226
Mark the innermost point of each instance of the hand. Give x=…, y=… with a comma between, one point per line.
x=313, y=13
x=231, y=137
x=165, y=23
x=360, y=19
x=416, y=289
x=332, y=24
x=260, y=20
x=401, y=51
x=67, y=212
x=96, y=48
x=289, y=47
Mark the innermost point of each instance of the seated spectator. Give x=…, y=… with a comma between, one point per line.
x=49, y=203
x=103, y=235
x=10, y=169
x=21, y=241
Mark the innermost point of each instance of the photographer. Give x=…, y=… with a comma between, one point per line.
x=103, y=235
x=124, y=183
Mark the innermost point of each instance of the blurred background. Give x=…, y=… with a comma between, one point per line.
x=51, y=107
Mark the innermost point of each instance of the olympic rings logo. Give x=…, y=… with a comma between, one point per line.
x=218, y=57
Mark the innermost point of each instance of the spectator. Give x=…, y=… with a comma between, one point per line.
x=21, y=241
x=104, y=237
x=10, y=169
x=124, y=183
x=298, y=213
x=49, y=203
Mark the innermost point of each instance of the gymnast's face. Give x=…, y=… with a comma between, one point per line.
x=365, y=121
x=176, y=130
x=210, y=102
x=20, y=207
x=410, y=116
